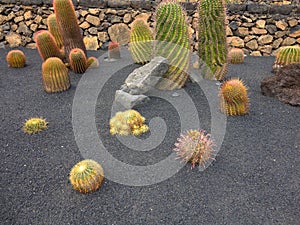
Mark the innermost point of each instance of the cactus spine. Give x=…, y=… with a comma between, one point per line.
x=287, y=55
x=234, y=99
x=236, y=56
x=55, y=75
x=172, y=43
x=46, y=45
x=16, y=58
x=212, y=42
x=53, y=29
x=141, y=42
x=86, y=176
x=114, y=50
x=68, y=25
x=78, y=60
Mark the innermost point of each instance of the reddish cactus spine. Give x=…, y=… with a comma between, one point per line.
x=16, y=58
x=78, y=60
x=114, y=50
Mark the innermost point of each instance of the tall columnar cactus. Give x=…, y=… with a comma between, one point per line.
x=236, y=56
x=141, y=42
x=16, y=58
x=172, y=42
x=87, y=176
x=55, y=75
x=212, y=42
x=114, y=50
x=287, y=55
x=78, y=60
x=234, y=99
x=68, y=25
x=53, y=28
x=46, y=45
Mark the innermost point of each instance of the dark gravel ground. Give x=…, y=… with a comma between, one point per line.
x=254, y=180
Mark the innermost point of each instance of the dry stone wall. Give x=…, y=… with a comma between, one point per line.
x=258, y=27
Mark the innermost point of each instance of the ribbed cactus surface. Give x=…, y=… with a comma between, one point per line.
x=55, y=75
x=46, y=45
x=16, y=58
x=172, y=42
x=212, y=44
x=287, y=55
x=236, y=56
x=141, y=42
x=53, y=28
x=78, y=60
x=68, y=25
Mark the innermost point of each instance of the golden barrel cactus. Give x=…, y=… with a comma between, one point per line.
x=16, y=59
x=34, y=125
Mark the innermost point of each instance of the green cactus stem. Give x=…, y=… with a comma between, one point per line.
x=46, y=45
x=212, y=43
x=172, y=42
x=141, y=42
x=286, y=55
x=55, y=75
x=78, y=60
x=16, y=58
x=68, y=26
x=53, y=29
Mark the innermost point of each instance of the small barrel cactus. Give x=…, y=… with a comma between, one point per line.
x=234, y=98
x=129, y=122
x=53, y=28
x=87, y=176
x=287, y=55
x=93, y=62
x=55, y=75
x=196, y=147
x=78, y=60
x=114, y=50
x=16, y=58
x=236, y=56
x=141, y=42
x=34, y=125
x=46, y=45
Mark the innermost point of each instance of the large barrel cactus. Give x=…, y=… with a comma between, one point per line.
x=172, y=42
x=212, y=39
x=53, y=28
x=68, y=25
x=55, y=75
x=46, y=45
x=141, y=42
x=287, y=55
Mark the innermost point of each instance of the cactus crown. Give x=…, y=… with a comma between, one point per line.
x=196, y=147
x=287, y=55
x=234, y=98
x=78, y=60
x=16, y=58
x=236, y=56
x=34, y=125
x=86, y=176
x=129, y=122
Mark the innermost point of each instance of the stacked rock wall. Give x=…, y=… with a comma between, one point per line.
x=258, y=27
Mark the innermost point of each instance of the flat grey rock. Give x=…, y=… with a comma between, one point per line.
x=128, y=100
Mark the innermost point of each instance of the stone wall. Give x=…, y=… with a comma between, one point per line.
x=258, y=28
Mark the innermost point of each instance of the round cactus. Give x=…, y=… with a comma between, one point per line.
x=53, y=28
x=196, y=147
x=16, y=58
x=129, y=122
x=55, y=75
x=78, y=60
x=86, y=176
x=34, y=125
x=287, y=55
x=93, y=63
x=114, y=50
x=236, y=56
x=234, y=98
x=46, y=45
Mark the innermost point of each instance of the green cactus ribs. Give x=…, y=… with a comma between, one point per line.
x=141, y=42
x=53, y=29
x=172, y=42
x=212, y=43
x=16, y=58
x=78, y=60
x=287, y=55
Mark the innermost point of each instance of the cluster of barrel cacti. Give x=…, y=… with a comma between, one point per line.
x=212, y=43
x=286, y=55
x=16, y=58
x=236, y=56
x=87, y=176
x=129, y=122
x=196, y=147
x=234, y=99
x=34, y=125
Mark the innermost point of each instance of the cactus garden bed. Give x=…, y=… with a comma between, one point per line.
x=254, y=180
